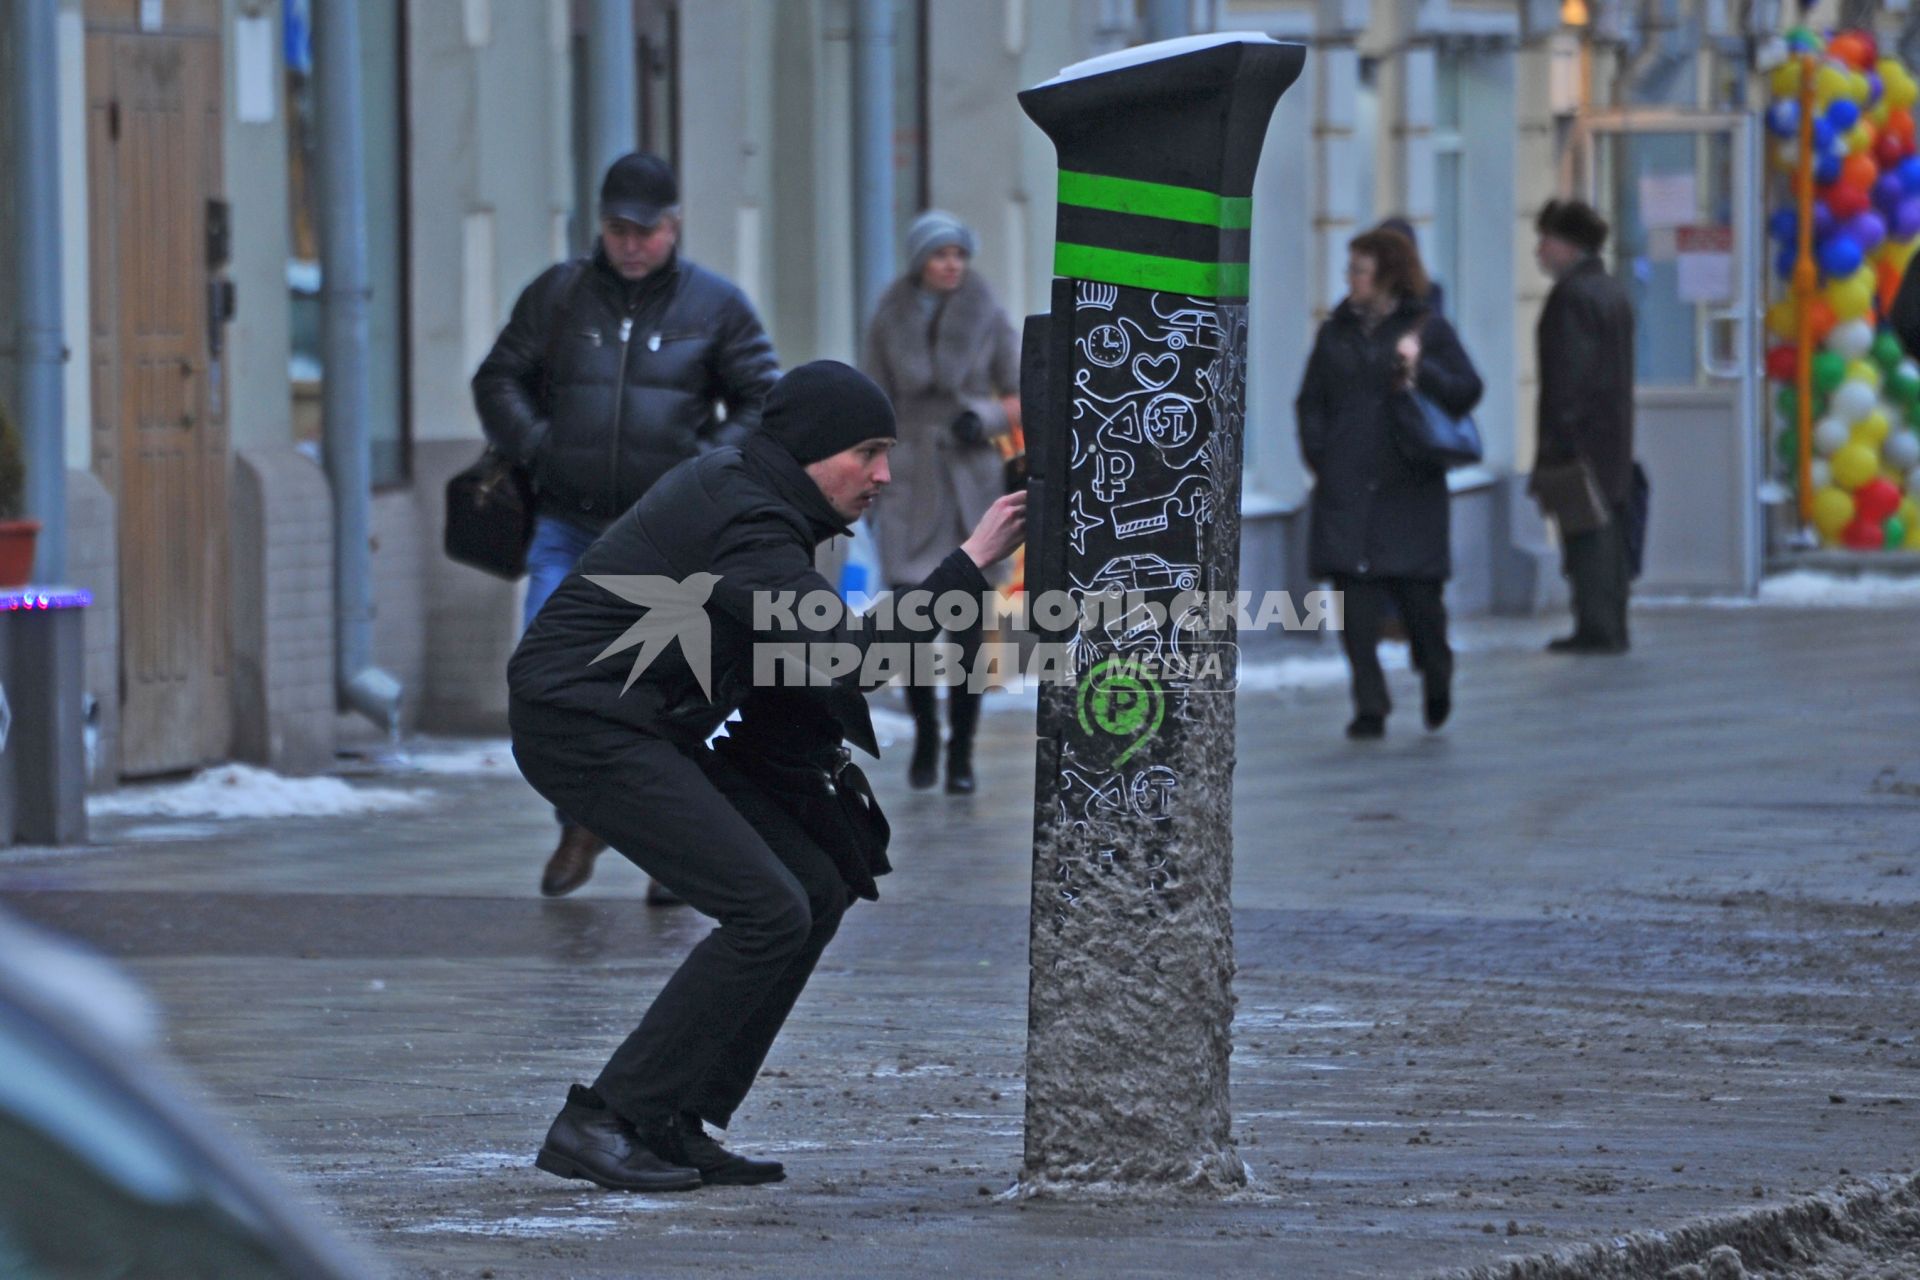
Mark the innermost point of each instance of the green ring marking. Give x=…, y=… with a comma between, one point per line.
x=1155, y=200
x=1121, y=703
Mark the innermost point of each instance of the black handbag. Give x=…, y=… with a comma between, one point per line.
x=490, y=517
x=490, y=505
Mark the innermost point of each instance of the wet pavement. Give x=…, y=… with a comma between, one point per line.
x=1631, y=940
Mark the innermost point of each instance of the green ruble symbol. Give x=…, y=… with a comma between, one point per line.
x=1121, y=701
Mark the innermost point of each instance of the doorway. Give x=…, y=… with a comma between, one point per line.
x=159, y=432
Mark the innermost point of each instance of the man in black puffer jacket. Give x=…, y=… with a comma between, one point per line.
x=622, y=741
x=608, y=376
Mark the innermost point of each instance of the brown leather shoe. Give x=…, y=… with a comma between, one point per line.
x=572, y=862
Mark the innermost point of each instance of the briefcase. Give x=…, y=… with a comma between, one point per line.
x=490, y=517
x=1568, y=492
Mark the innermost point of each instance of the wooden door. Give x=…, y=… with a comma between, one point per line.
x=160, y=442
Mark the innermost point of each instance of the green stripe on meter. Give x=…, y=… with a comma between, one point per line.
x=1155, y=200
x=1146, y=271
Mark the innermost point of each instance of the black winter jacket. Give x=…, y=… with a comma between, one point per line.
x=600, y=385
x=1586, y=377
x=1373, y=513
x=751, y=517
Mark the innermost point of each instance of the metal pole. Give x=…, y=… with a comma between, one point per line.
x=873, y=253
x=611, y=111
x=346, y=398
x=42, y=340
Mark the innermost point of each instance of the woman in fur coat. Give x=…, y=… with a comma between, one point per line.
x=943, y=351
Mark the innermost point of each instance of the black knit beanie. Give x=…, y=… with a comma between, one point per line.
x=825, y=407
x=1575, y=222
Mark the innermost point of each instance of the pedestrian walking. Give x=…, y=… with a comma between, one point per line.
x=1584, y=471
x=627, y=751
x=945, y=354
x=608, y=375
x=1379, y=522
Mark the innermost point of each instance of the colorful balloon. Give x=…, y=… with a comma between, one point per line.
x=1850, y=299
x=1852, y=340
x=1901, y=451
x=1832, y=511
x=1845, y=199
x=1864, y=535
x=1829, y=370
x=1876, y=499
x=1854, y=401
x=1871, y=430
x=1854, y=465
x=1841, y=116
x=1782, y=362
x=1868, y=230
x=1865, y=371
x=1888, y=192
x=1840, y=256
x=1830, y=435
x=1819, y=474
x=1896, y=533
x=1906, y=219
x=1859, y=171
x=1886, y=350
x=1783, y=118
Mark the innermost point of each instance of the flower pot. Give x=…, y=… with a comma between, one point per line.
x=16, y=552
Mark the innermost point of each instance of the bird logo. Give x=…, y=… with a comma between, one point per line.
x=675, y=610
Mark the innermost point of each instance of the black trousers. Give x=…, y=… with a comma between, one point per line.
x=728, y=850
x=1598, y=569
x=1422, y=608
x=963, y=707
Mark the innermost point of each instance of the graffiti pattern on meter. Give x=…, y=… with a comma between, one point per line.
x=1151, y=502
x=1143, y=484
x=1099, y=818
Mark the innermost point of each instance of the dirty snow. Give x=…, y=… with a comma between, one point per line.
x=1807, y=589
x=456, y=758
x=242, y=791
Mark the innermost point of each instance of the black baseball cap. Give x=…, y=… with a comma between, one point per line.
x=639, y=188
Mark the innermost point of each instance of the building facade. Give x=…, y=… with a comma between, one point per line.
x=199, y=513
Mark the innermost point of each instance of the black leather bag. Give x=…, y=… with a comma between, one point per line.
x=829, y=797
x=490, y=517
x=1429, y=436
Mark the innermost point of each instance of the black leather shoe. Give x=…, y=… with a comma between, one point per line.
x=924, y=770
x=589, y=1141
x=686, y=1141
x=1579, y=644
x=571, y=864
x=1367, y=727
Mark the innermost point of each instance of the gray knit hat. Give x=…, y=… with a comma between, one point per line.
x=932, y=231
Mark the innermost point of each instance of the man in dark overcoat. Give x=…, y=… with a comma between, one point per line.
x=1586, y=413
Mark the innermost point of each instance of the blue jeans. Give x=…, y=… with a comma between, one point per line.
x=556, y=547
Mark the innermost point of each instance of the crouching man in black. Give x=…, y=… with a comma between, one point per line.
x=619, y=741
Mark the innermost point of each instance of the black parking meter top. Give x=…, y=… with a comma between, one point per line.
x=1157, y=157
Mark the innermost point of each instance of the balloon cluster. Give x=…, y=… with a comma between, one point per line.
x=1866, y=226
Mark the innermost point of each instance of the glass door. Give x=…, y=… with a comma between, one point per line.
x=1681, y=193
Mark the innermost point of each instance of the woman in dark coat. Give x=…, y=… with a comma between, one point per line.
x=1379, y=523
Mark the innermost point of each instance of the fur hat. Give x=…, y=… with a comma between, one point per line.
x=1575, y=222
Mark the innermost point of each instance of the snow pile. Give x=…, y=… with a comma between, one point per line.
x=241, y=791
x=1809, y=589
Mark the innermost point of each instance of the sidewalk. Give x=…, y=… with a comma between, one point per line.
x=1632, y=940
